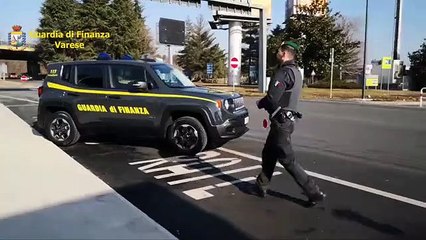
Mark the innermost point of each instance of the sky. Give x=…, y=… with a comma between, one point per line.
x=380, y=21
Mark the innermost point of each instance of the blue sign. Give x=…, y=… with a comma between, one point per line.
x=209, y=68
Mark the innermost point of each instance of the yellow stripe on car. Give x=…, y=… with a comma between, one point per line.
x=105, y=92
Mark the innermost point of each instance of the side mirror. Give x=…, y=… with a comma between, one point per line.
x=140, y=85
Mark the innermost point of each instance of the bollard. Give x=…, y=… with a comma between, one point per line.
x=421, y=96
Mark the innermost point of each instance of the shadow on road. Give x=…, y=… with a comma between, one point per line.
x=128, y=143
x=298, y=201
x=353, y=216
x=244, y=187
x=180, y=217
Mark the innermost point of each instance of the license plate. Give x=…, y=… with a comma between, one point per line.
x=246, y=120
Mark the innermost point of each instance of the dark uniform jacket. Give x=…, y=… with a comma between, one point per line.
x=284, y=88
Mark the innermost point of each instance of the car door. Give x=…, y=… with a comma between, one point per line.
x=136, y=111
x=87, y=98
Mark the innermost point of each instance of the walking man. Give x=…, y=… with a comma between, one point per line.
x=281, y=103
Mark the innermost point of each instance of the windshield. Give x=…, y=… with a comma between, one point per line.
x=172, y=77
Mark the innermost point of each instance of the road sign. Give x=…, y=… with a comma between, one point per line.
x=209, y=68
x=372, y=80
x=368, y=69
x=331, y=56
x=235, y=63
x=387, y=63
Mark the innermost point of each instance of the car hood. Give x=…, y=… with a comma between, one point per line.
x=209, y=93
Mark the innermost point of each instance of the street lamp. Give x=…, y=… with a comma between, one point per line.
x=365, y=50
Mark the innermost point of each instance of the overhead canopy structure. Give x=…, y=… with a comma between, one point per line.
x=233, y=13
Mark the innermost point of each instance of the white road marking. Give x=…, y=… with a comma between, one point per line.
x=231, y=161
x=186, y=180
x=201, y=193
x=247, y=179
x=181, y=169
x=20, y=99
x=157, y=163
x=178, y=170
x=153, y=165
x=199, y=156
x=225, y=184
x=209, y=157
x=341, y=182
x=147, y=161
x=22, y=105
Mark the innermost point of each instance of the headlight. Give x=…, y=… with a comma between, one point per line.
x=229, y=104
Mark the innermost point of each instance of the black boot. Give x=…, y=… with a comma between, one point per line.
x=260, y=191
x=316, y=197
x=312, y=191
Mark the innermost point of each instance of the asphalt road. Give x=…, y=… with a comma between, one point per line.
x=370, y=160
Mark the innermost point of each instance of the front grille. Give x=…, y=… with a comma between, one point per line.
x=238, y=103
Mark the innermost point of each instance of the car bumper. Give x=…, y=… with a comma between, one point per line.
x=231, y=128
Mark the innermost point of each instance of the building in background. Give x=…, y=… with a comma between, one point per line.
x=293, y=6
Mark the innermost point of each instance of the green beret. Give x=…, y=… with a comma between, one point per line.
x=291, y=44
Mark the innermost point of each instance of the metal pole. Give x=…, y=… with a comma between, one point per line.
x=389, y=76
x=262, y=51
x=365, y=49
x=397, y=38
x=332, y=68
x=235, y=39
x=170, y=55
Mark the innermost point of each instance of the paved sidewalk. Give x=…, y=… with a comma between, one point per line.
x=45, y=194
x=18, y=84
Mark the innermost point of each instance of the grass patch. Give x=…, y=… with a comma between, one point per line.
x=321, y=93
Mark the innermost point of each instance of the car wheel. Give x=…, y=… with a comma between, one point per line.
x=188, y=136
x=61, y=129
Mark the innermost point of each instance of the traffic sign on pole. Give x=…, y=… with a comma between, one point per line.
x=210, y=69
x=235, y=63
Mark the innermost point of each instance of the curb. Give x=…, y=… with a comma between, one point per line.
x=18, y=89
x=359, y=103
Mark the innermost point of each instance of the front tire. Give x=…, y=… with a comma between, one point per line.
x=61, y=129
x=187, y=136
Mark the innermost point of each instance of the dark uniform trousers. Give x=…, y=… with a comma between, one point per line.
x=278, y=149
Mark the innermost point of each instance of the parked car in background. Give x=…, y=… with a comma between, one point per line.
x=13, y=75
